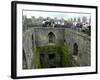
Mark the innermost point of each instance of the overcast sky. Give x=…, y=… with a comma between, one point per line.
x=59, y=15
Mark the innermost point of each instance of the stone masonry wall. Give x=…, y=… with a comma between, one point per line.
x=39, y=37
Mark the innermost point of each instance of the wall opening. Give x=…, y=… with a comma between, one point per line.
x=32, y=41
x=51, y=56
x=51, y=37
x=75, y=49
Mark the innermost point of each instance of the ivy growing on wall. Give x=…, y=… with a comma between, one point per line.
x=66, y=57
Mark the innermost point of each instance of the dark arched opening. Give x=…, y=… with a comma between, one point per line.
x=75, y=49
x=51, y=37
x=32, y=41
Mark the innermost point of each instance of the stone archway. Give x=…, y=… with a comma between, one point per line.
x=51, y=37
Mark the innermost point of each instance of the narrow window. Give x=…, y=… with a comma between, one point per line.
x=51, y=37
x=75, y=49
x=32, y=40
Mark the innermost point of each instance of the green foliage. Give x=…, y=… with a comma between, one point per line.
x=66, y=58
x=46, y=49
x=36, y=59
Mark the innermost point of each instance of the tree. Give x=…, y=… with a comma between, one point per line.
x=52, y=20
x=79, y=19
x=90, y=20
x=33, y=19
x=24, y=22
x=68, y=20
x=65, y=21
x=74, y=19
x=55, y=19
x=84, y=19
x=71, y=19
x=40, y=20
x=48, y=18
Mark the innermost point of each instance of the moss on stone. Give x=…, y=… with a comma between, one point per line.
x=36, y=59
x=66, y=58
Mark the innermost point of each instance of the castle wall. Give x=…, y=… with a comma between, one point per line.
x=39, y=37
x=42, y=39
x=83, y=42
x=27, y=47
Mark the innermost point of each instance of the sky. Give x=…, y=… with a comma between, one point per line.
x=59, y=15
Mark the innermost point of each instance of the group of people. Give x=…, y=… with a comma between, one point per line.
x=48, y=23
x=79, y=26
x=52, y=24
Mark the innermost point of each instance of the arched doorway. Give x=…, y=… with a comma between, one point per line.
x=51, y=37
x=75, y=49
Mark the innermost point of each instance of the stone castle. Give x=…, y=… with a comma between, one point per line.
x=77, y=42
